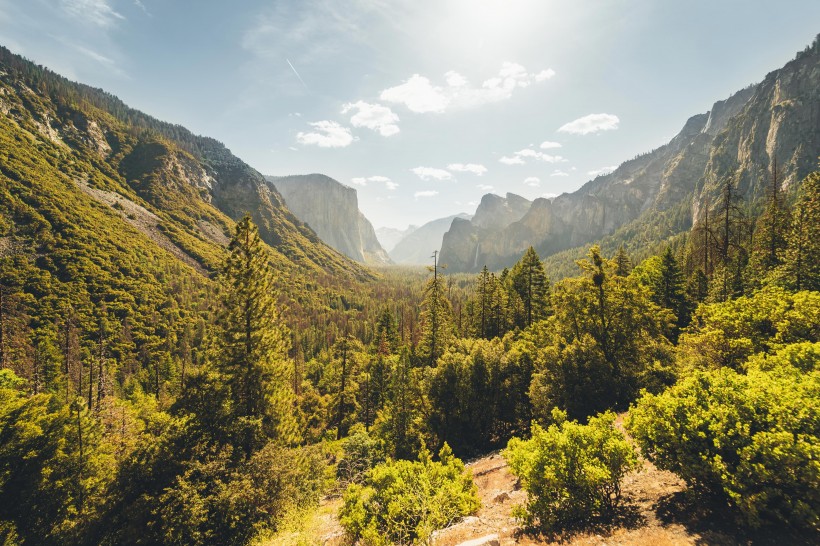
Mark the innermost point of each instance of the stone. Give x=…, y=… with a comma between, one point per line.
x=488, y=540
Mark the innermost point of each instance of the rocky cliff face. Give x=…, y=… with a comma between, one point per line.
x=417, y=247
x=331, y=209
x=666, y=189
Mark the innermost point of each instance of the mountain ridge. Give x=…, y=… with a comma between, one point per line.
x=741, y=136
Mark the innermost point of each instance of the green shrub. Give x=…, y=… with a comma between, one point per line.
x=360, y=453
x=749, y=440
x=403, y=502
x=212, y=502
x=571, y=472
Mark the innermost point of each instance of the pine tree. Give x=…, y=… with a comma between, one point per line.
x=480, y=306
x=623, y=265
x=253, y=345
x=770, y=231
x=801, y=266
x=530, y=281
x=437, y=319
x=668, y=290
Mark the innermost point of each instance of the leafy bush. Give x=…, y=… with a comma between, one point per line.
x=572, y=472
x=728, y=333
x=212, y=503
x=361, y=452
x=403, y=502
x=749, y=440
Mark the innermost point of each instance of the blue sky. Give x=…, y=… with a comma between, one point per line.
x=422, y=106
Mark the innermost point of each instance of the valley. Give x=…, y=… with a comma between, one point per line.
x=196, y=353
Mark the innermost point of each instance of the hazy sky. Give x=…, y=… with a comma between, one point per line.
x=423, y=106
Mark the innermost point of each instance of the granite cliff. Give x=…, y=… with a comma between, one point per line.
x=331, y=209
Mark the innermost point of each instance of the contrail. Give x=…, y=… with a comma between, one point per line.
x=297, y=74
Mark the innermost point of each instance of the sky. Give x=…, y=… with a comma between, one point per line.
x=423, y=106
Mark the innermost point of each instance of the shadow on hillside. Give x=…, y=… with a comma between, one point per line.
x=714, y=524
x=627, y=516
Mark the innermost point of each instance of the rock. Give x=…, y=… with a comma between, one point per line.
x=501, y=497
x=331, y=209
x=488, y=540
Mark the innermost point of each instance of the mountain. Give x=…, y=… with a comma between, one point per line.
x=417, y=247
x=663, y=192
x=179, y=190
x=331, y=209
x=390, y=237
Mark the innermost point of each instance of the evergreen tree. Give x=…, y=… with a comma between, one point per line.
x=623, y=265
x=731, y=252
x=437, y=319
x=770, y=231
x=253, y=345
x=387, y=336
x=668, y=290
x=480, y=306
x=530, y=282
x=801, y=266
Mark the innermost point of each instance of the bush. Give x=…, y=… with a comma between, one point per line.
x=403, y=502
x=361, y=452
x=749, y=440
x=571, y=472
x=212, y=502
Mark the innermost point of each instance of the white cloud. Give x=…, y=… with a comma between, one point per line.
x=545, y=75
x=97, y=12
x=373, y=116
x=362, y=181
x=484, y=187
x=430, y=173
x=559, y=172
x=547, y=145
x=514, y=160
x=454, y=79
x=327, y=134
x=427, y=193
x=604, y=170
x=519, y=157
x=549, y=195
x=592, y=123
x=420, y=95
x=474, y=168
x=532, y=181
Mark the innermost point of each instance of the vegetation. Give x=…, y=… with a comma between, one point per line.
x=403, y=502
x=571, y=472
x=750, y=440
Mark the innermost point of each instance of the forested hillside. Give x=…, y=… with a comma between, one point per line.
x=182, y=362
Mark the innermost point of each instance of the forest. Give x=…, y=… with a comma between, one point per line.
x=174, y=370
x=146, y=404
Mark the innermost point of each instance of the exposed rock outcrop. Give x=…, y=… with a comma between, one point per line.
x=331, y=209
